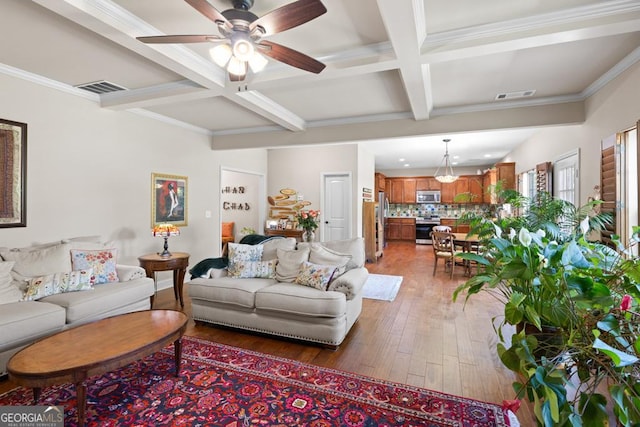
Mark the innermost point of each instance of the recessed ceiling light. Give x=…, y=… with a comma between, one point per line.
x=456, y=157
x=454, y=163
x=487, y=155
x=401, y=160
x=406, y=165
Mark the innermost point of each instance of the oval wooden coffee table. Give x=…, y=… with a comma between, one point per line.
x=79, y=353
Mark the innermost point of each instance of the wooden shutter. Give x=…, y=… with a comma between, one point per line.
x=543, y=177
x=608, y=186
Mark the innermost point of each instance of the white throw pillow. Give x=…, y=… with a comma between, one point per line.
x=39, y=262
x=272, y=245
x=289, y=264
x=8, y=291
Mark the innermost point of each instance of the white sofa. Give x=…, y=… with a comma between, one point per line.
x=22, y=322
x=285, y=308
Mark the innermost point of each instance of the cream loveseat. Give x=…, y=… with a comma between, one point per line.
x=278, y=305
x=22, y=322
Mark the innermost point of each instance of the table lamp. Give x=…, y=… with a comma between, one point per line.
x=165, y=230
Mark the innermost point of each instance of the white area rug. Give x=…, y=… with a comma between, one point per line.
x=382, y=287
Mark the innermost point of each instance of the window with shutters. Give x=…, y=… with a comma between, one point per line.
x=528, y=183
x=619, y=183
x=565, y=177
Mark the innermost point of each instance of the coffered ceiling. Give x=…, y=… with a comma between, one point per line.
x=406, y=73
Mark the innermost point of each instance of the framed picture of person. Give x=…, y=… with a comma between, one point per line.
x=13, y=174
x=168, y=199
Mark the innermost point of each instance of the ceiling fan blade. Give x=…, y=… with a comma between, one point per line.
x=289, y=16
x=291, y=57
x=209, y=11
x=180, y=39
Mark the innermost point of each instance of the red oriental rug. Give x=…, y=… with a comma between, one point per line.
x=227, y=386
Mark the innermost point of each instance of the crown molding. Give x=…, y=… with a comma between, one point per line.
x=50, y=83
x=612, y=73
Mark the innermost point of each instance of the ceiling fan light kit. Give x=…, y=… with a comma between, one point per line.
x=241, y=34
x=447, y=176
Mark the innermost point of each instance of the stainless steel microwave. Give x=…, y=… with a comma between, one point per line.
x=432, y=196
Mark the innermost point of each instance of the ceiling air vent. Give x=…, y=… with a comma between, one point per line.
x=515, y=95
x=101, y=87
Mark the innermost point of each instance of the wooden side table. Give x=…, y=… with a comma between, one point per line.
x=178, y=262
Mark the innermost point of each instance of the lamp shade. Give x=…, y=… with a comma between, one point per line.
x=165, y=230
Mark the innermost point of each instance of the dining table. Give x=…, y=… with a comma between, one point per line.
x=468, y=243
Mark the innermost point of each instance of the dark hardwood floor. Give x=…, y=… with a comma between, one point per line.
x=422, y=338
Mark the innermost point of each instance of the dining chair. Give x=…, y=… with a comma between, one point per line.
x=443, y=228
x=443, y=248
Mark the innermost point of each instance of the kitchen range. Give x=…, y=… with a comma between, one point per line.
x=424, y=226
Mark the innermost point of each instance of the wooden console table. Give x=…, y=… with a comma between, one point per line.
x=286, y=233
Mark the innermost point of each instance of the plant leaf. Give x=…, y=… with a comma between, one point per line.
x=618, y=357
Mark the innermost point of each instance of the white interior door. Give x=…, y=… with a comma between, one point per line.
x=336, y=213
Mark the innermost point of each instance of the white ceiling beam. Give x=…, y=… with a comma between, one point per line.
x=485, y=40
x=269, y=109
x=404, y=22
x=110, y=20
x=569, y=113
x=113, y=22
x=163, y=94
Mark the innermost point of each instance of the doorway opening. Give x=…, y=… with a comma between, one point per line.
x=242, y=204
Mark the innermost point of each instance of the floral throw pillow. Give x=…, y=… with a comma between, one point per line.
x=256, y=269
x=315, y=275
x=240, y=255
x=102, y=262
x=51, y=284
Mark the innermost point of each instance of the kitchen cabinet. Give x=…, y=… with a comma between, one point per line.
x=395, y=190
x=401, y=190
x=455, y=226
x=447, y=193
x=501, y=172
x=427, y=183
x=380, y=180
x=461, y=186
x=475, y=188
x=401, y=229
x=409, y=189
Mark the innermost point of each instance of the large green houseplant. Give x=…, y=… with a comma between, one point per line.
x=580, y=300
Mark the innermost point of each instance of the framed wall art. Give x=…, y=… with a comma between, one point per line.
x=168, y=199
x=13, y=174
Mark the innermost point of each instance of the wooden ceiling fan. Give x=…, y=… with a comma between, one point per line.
x=241, y=36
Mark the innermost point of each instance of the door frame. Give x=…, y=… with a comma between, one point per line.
x=262, y=197
x=323, y=177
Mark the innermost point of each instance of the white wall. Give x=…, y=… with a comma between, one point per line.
x=242, y=190
x=614, y=108
x=302, y=169
x=365, y=179
x=89, y=173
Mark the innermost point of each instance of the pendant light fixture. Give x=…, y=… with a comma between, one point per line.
x=447, y=175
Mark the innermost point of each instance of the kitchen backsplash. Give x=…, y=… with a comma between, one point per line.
x=441, y=210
